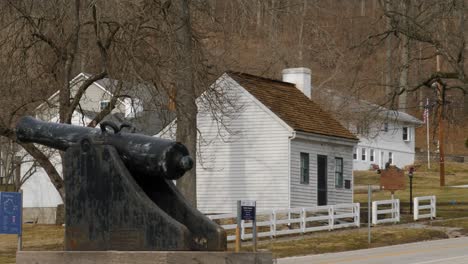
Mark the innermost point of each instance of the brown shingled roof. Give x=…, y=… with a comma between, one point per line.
x=292, y=106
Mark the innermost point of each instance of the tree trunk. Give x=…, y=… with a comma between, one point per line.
x=402, y=99
x=405, y=60
x=186, y=109
x=388, y=56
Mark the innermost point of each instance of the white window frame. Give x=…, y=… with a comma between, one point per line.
x=339, y=174
x=363, y=154
x=408, y=133
x=355, y=153
x=391, y=158
x=371, y=155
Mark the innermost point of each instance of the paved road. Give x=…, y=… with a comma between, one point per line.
x=451, y=251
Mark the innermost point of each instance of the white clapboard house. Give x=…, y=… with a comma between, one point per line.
x=389, y=139
x=271, y=143
x=384, y=135
x=40, y=196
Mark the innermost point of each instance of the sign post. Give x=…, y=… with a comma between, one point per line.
x=248, y=212
x=238, y=228
x=11, y=214
x=369, y=200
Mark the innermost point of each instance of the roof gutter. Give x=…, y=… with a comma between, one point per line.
x=327, y=139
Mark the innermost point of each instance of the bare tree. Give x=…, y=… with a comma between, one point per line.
x=49, y=38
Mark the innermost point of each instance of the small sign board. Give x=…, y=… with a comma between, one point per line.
x=248, y=210
x=392, y=179
x=10, y=213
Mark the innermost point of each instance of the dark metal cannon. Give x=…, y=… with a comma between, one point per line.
x=119, y=189
x=143, y=155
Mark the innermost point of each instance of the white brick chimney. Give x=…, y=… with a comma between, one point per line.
x=301, y=77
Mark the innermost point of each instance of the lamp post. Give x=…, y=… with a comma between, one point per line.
x=410, y=175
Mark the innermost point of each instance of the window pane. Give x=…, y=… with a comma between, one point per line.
x=338, y=172
x=304, y=168
x=405, y=133
x=363, y=155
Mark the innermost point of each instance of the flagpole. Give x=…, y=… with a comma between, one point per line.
x=427, y=135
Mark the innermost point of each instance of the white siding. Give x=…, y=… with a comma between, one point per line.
x=38, y=191
x=390, y=141
x=250, y=162
x=306, y=194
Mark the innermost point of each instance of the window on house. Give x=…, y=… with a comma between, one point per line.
x=371, y=155
x=355, y=154
x=406, y=134
x=339, y=172
x=103, y=104
x=363, y=154
x=390, y=158
x=304, y=168
x=385, y=127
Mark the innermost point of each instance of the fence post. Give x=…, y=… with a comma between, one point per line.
x=274, y=223
x=416, y=208
x=433, y=203
x=272, y=218
x=331, y=218
x=397, y=210
x=374, y=213
x=357, y=214
x=242, y=230
x=303, y=217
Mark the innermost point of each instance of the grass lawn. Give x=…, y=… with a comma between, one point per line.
x=451, y=202
x=50, y=237
x=35, y=237
x=352, y=239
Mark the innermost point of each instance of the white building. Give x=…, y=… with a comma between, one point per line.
x=390, y=138
x=271, y=143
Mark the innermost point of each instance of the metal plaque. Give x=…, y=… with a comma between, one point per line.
x=248, y=210
x=10, y=213
x=392, y=179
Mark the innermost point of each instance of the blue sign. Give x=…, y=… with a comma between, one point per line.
x=10, y=213
x=248, y=210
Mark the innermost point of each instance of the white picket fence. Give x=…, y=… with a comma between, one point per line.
x=392, y=214
x=418, y=207
x=277, y=222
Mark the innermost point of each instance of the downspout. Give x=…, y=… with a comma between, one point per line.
x=290, y=139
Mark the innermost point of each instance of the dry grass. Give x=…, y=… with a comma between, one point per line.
x=451, y=202
x=35, y=237
x=349, y=240
x=457, y=223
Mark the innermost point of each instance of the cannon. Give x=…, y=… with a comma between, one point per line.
x=119, y=188
x=143, y=155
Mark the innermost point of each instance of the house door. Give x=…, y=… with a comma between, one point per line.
x=321, y=180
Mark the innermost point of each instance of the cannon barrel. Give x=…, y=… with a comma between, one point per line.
x=144, y=156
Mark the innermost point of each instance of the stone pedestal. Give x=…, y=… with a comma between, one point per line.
x=141, y=257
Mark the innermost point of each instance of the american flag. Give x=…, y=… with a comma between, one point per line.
x=426, y=111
